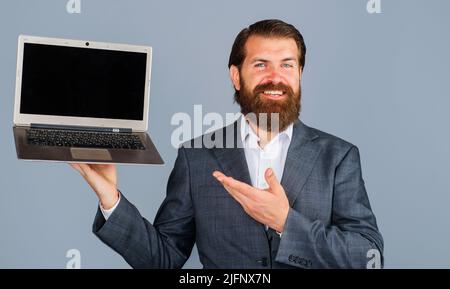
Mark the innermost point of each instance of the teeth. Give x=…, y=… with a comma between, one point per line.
x=273, y=92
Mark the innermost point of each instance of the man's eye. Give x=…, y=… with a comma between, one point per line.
x=260, y=65
x=287, y=65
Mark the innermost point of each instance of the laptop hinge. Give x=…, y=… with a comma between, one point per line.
x=81, y=128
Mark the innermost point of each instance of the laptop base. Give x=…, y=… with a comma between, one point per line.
x=27, y=151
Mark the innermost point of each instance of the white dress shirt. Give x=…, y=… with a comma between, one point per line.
x=273, y=155
x=107, y=213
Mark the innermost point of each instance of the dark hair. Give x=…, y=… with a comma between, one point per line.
x=266, y=28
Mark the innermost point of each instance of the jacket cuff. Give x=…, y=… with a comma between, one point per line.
x=296, y=226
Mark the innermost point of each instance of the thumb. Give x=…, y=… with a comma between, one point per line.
x=272, y=181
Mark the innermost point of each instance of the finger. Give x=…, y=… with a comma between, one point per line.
x=272, y=181
x=247, y=204
x=218, y=175
x=244, y=201
x=77, y=167
x=89, y=174
x=107, y=171
x=94, y=178
x=237, y=195
x=233, y=192
x=239, y=186
x=85, y=172
x=86, y=169
x=103, y=167
x=74, y=165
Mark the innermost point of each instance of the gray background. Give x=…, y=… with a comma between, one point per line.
x=379, y=81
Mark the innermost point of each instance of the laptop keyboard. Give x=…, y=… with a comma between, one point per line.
x=65, y=138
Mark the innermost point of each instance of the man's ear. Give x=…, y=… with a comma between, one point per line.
x=234, y=75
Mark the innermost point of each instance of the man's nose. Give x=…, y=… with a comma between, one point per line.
x=274, y=76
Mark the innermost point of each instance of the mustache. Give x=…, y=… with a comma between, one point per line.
x=271, y=86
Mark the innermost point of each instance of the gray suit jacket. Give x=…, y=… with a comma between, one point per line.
x=330, y=223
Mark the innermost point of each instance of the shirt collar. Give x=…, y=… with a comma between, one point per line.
x=248, y=133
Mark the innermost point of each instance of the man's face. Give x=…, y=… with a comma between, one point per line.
x=269, y=79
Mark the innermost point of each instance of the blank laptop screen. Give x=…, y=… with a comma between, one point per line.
x=83, y=82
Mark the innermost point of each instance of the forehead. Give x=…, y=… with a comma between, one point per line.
x=270, y=47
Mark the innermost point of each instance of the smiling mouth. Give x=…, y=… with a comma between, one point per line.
x=274, y=94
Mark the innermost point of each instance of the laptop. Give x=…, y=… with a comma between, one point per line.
x=82, y=101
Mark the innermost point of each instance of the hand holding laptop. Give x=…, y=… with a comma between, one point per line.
x=103, y=180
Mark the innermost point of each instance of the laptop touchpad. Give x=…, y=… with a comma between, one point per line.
x=90, y=154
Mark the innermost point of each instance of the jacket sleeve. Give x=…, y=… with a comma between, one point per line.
x=353, y=232
x=165, y=244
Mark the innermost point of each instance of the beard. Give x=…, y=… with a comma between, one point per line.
x=269, y=114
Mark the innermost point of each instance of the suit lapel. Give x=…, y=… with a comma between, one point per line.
x=231, y=156
x=300, y=160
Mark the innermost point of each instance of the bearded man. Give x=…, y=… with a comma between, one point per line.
x=283, y=195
